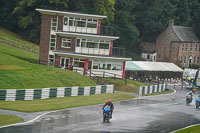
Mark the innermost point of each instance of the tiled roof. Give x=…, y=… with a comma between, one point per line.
x=186, y=33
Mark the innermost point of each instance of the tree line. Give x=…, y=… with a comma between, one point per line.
x=132, y=20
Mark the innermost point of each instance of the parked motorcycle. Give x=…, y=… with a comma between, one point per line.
x=188, y=99
x=106, y=114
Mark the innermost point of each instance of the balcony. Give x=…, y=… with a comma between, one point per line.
x=104, y=30
x=116, y=51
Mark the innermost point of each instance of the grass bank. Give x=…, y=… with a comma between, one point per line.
x=61, y=103
x=194, y=129
x=10, y=37
x=9, y=119
x=121, y=85
x=20, y=70
x=159, y=93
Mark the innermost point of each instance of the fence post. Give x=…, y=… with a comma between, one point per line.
x=83, y=71
x=97, y=81
x=90, y=72
x=114, y=76
x=125, y=81
x=103, y=74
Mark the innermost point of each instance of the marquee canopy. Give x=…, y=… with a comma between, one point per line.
x=152, y=66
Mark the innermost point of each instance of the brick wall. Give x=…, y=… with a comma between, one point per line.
x=194, y=53
x=60, y=23
x=44, y=39
x=164, y=46
x=59, y=43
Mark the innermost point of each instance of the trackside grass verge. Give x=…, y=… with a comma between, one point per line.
x=194, y=129
x=159, y=93
x=61, y=103
x=9, y=119
x=20, y=70
x=130, y=86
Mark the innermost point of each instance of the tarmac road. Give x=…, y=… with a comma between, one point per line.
x=158, y=114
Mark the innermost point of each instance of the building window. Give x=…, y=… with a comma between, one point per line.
x=181, y=59
x=65, y=21
x=78, y=62
x=51, y=60
x=66, y=43
x=148, y=56
x=186, y=47
x=92, y=23
x=54, y=24
x=199, y=47
x=78, y=42
x=91, y=43
x=182, y=47
x=196, y=47
x=184, y=59
x=81, y=22
x=198, y=60
x=190, y=47
x=194, y=61
x=52, y=42
x=99, y=64
x=104, y=44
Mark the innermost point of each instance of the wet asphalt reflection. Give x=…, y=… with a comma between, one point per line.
x=147, y=115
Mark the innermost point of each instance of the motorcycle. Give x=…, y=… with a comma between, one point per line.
x=188, y=99
x=197, y=103
x=106, y=114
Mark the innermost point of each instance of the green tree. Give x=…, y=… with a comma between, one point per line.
x=7, y=19
x=124, y=24
x=182, y=12
x=28, y=19
x=105, y=7
x=152, y=17
x=195, y=14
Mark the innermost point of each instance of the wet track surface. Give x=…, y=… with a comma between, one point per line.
x=160, y=114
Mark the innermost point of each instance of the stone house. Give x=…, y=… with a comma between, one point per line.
x=178, y=44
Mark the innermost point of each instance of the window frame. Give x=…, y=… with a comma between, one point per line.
x=66, y=40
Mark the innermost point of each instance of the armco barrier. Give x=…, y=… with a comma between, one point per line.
x=45, y=93
x=143, y=90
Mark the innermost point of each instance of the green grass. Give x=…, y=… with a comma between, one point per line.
x=159, y=93
x=19, y=70
x=131, y=86
x=61, y=103
x=9, y=119
x=10, y=37
x=194, y=129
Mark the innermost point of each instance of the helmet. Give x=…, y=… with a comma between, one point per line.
x=109, y=100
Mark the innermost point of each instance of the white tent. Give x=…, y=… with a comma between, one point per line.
x=152, y=66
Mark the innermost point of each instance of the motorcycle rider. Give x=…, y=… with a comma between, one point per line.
x=190, y=95
x=109, y=103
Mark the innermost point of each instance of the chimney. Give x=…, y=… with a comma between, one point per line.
x=171, y=22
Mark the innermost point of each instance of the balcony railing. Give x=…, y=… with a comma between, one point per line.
x=104, y=30
x=116, y=51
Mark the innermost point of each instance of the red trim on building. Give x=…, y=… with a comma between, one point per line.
x=123, y=72
x=111, y=46
x=98, y=26
x=86, y=67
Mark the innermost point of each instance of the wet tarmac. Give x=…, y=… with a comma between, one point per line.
x=160, y=114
